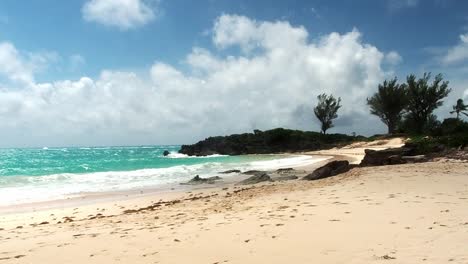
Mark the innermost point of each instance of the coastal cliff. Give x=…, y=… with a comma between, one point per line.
x=264, y=142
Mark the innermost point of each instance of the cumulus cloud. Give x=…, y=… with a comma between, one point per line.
x=12, y=66
x=123, y=14
x=272, y=82
x=393, y=58
x=19, y=67
x=457, y=53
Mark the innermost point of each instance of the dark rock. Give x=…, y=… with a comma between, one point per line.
x=395, y=159
x=277, y=140
x=199, y=180
x=284, y=171
x=257, y=178
x=330, y=169
x=413, y=149
x=286, y=178
x=230, y=171
x=166, y=153
x=385, y=157
x=253, y=172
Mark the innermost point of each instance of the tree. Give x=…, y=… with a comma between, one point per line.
x=388, y=103
x=326, y=110
x=460, y=108
x=424, y=98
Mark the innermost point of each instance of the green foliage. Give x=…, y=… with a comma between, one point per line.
x=451, y=126
x=451, y=133
x=388, y=103
x=460, y=108
x=326, y=110
x=425, y=145
x=423, y=98
x=270, y=141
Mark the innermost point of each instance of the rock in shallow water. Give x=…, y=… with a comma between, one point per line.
x=199, y=180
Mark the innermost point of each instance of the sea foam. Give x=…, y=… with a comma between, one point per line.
x=27, y=189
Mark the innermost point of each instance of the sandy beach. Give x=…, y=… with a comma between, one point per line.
x=412, y=213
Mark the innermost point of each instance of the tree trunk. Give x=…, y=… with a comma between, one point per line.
x=391, y=128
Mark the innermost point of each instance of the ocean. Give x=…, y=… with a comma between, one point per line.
x=43, y=174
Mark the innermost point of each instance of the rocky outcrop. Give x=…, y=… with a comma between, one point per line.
x=199, y=180
x=166, y=153
x=253, y=172
x=257, y=178
x=330, y=169
x=230, y=171
x=409, y=153
x=385, y=157
x=265, y=142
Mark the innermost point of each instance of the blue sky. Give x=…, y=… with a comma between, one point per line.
x=409, y=27
x=58, y=44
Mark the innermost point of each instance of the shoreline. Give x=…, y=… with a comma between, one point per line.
x=163, y=190
x=354, y=153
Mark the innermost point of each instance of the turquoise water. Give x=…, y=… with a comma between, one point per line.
x=47, y=161
x=32, y=175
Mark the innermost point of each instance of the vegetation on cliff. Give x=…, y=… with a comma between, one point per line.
x=263, y=142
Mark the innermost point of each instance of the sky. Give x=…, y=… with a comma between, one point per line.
x=144, y=72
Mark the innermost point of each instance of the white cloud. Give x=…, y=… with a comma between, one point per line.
x=231, y=30
x=20, y=67
x=12, y=65
x=393, y=58
x=458, y=53
x=123, y=14
x=274, y=82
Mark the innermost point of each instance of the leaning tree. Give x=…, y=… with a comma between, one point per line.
x=460, y=108
x=423, y=98
x=326, y=110
x=388, y=103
